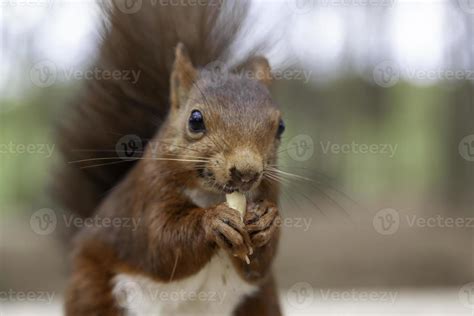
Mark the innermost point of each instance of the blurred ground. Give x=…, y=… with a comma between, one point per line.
x=330, y=267
x=431, y=302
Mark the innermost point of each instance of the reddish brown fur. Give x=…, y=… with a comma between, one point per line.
x=106, y=110
x=175, y=238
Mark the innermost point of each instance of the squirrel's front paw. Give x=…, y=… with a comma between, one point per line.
x=224, y=226
x=261, y=221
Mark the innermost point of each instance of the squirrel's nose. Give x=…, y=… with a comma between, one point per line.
x=244, y=177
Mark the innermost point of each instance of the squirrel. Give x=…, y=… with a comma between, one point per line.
x=204, y=135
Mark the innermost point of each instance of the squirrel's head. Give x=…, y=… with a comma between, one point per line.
x=225, y=123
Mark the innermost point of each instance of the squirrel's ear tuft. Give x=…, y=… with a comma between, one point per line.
x=182, y=77
x=257, y=68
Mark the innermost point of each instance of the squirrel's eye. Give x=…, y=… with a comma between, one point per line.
x=281, y=128
x=196, y=122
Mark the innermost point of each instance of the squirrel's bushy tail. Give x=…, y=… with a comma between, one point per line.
x=138, y=47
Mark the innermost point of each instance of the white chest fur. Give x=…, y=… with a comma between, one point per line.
x=215, y=290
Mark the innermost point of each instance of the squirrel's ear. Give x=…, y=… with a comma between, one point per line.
x=257, y=68
x=182, y=77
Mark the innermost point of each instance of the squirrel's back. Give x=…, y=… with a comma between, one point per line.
x=129, y=110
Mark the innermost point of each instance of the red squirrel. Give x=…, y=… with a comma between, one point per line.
x=204, y=135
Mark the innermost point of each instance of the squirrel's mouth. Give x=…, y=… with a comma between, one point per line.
x=227, y=189
x=210, y=181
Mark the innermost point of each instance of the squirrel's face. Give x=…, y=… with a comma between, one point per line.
x=233, y=129
x=225, y=124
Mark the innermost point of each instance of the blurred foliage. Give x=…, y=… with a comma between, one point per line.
x=418, y=120
x=29, y=120
x=340, y=115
